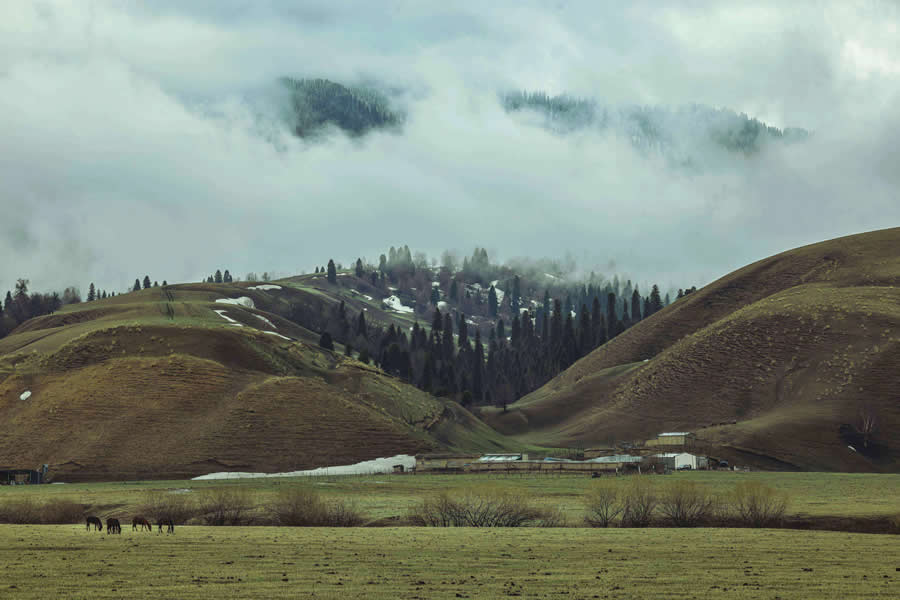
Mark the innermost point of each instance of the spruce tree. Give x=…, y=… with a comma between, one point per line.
x=92, y=293
x=326, y=342
x=316, y=271
x=361, y=325
x=218, y=276
x=478, y=369
x=585, y=341
x=598, y=335
x=226, y=278
x=611, y=318
x=655, y=301
x=435, y=295
x=359, y=268
x=332, y=272
x=463, y=331
x=635, y=305
x=492, y=302
x=454, y=291
x=437, y=321
x=137, y=286
x=516, y=300
x=155, y=284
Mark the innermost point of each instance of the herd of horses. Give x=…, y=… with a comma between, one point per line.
x=137, y=523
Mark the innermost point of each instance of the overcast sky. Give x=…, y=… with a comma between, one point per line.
x=141, y=138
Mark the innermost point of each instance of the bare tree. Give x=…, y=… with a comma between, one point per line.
x=867, y=422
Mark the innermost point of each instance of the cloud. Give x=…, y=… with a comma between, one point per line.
x=144, y=138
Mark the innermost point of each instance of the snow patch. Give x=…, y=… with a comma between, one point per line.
x=471, y=322
x=284, y=337
x=442, y=306
x=222, y=314
x=435, y=284
x=266, y=321
x=265, y=287
x=393, y=289
x=394, y=303
x=242, y=301
x=852, y=448
x=550, y=276
x=25, y=395
x=368, y=467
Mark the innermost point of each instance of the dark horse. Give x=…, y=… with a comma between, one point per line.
x=97, y=523
x=142, y=523
x=113, y=526
x=169, y=523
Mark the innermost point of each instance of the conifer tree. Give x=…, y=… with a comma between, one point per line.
x=137, y=286
x=146, y=282
x=435, y=295
x=326, y=342
x=332, y=272
x=437, y=321
x=218, y=276
x=478, y=369
x=655, y=301
x=226, y=278
x=625, y=318
x=361, y=324
x=585, y=342
x=454, y=291
x=598, y=335
x=316, y=271
x=92, y=293
x=635, y=305
x=359, y=267
x=463, y=331
x=492, y=302
x=155, y=284
x=611, y=318
x=447, y=339
x=516, y=300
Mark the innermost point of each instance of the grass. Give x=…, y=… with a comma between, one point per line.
x=262, y=562
x=383, y=496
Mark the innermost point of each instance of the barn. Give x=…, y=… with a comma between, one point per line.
x=9, y=476
x=675, y=461
x=673, y=438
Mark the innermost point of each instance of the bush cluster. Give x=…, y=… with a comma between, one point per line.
x=641, y=502
x=483, y=508
x=51, y=512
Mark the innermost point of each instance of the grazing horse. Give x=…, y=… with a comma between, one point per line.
x=169, y=523
x=142, y=523
x=113, y=526
x=97, y=523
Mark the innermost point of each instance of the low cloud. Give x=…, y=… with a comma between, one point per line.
x=147, y=138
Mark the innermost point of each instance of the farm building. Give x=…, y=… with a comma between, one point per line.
x=617, y=458
x=20, y=476
x=673, y=438
x=444, y=462
x=679, y=460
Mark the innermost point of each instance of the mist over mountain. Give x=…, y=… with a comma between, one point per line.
x=161, y=137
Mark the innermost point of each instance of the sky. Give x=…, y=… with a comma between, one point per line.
x=145, y=138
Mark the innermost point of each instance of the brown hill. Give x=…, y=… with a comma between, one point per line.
x=157, y=384
x=776, y=364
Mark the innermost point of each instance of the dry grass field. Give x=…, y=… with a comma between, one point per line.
x=64, y=561
x=770, y=365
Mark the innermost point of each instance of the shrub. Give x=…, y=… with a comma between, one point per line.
x=160, y=506
x=639, y=502
x=603, y=503
x=59, y=512
x=225, y=506
x=758, y=505
x=303, y=507
x=20, y=511
x=686, y=504
x=480, y=508
x=23, y=511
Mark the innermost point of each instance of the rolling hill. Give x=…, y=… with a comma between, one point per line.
x=779, y=364
x=167, y=383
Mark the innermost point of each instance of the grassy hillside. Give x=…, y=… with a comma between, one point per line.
x=158, y=384
x=775, y=364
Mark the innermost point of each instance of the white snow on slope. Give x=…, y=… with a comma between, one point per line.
x=394, y=303
x=278, y=334
x=242, y=301
x=368, y=467
x=442, y=306
x=265, y=287
x=222, y=314
x=266, y=321
x=25, y=395
x=550, y=276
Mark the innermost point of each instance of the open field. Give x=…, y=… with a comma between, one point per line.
x=262, y=562
x=387, y=496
